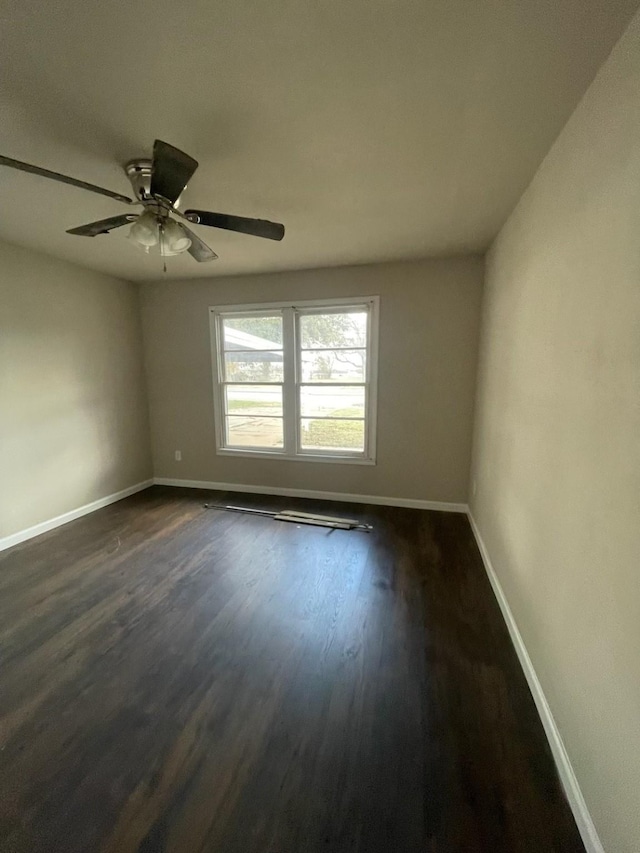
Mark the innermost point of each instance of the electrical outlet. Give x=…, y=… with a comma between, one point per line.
x=178, y=455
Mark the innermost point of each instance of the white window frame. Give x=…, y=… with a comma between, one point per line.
x=291, y=381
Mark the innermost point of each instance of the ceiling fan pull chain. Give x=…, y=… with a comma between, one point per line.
x=162, y=254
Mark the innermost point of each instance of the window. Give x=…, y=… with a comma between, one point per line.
x=296, y=381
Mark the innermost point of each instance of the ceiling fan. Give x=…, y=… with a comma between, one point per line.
x=157, y=185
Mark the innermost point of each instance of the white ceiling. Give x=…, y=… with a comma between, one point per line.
x=374, y=129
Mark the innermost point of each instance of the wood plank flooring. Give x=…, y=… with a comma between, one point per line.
x=183, y=680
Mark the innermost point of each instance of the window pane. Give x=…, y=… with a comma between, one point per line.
x=252, y=333
x=348, y=365
x=253, y=366
x=339, y=402
x=346, y=329
x=254, y=400
x=321, y=434
x=254, y=432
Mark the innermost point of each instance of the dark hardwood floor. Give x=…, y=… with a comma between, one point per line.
x=179, y=679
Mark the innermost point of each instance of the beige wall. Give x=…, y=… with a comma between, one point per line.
x=557, y=437
x=73, y=412
x=429, y=316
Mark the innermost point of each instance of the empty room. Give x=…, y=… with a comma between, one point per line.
x=320, y=426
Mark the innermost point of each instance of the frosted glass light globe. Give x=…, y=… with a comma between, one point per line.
x=174, y=239
x=144, y=230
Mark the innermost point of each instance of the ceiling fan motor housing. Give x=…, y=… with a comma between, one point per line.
x=139, y=174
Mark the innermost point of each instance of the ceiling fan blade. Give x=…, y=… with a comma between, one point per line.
x=64, y=179
x=256, y=227
x=198, y=248
x=172, y=170
x=103, y=226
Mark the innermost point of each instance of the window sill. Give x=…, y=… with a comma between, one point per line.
x=302, y=457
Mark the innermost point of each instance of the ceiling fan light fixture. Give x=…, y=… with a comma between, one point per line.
x=151, y=231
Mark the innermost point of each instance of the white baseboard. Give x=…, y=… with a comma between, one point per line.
x=567, y=775
x=37, y=529
x=411, y=503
